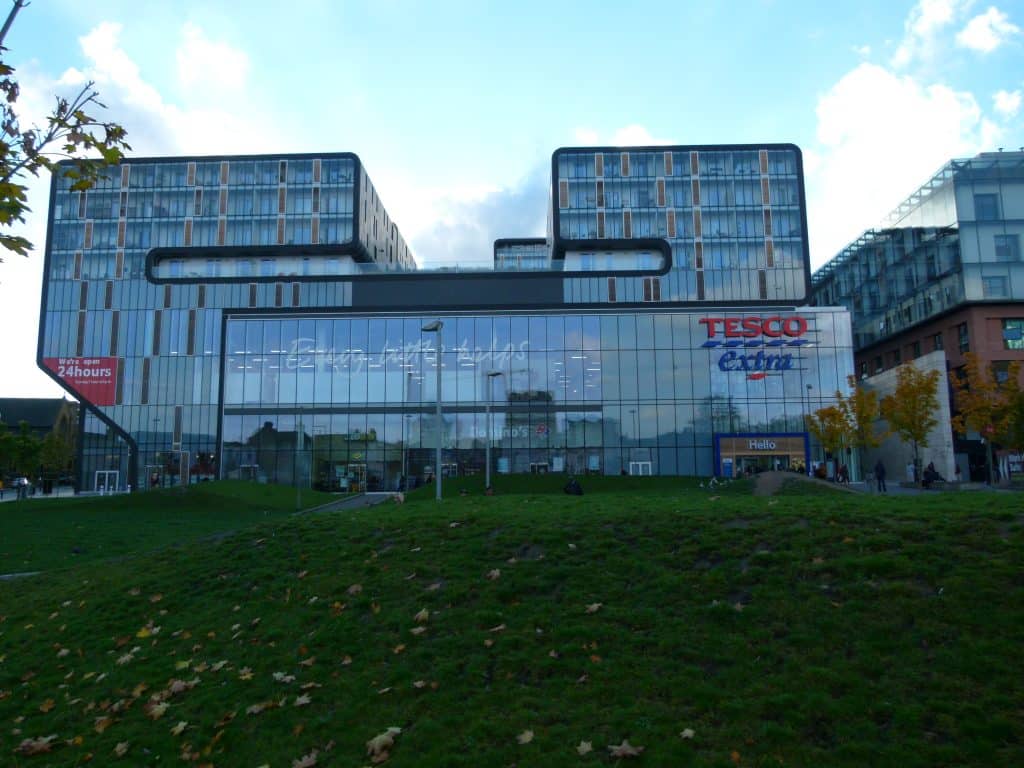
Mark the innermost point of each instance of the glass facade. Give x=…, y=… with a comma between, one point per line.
x=261, y=317
x=577, y=393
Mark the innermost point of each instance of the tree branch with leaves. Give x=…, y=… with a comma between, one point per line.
x=86, y=144
x=984, y=405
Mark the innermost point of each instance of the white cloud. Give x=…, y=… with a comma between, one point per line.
x=862, y=50
x=633, y=135
x=987, y=31
x=880, y=136
x=1007, y=103
x=204, y=63
x=922, y=27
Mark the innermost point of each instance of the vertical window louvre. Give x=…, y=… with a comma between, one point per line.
x=252, y=294
x=222, y=226
x=119, y=265
x=201, y=297
x=765, y=191
x=599, y=164
x=700, y=286
x=316, y=171
x=656, y=285
x=661, y=193
x=223, y=208
x=280, y=230
x=81, y=205
x=624, y=163
x=647, y=289
x=87, y=240
x=78, y=265
x=224, y=172
x=157, y=318
x=122, y=227
x=763, y=157
x=696, y=223
x=197, y=206
x=144, y=394
x=80, y=345
x=188, y=231
x=281, y=193
x=119, y=384
x=122, y=210
x=563, y=193
x=316, y=200
x=762, y=284
x=167, y=296
x=83, y=295
x=115, y=322
x=670, y=216
x=125, y=175
x=282, y=172
x=769, y=252
x=190, y=175
x=278, y=294
x=669, y=165
x=600, y=223
x=600, y=194
x=698, y=254
x=767, y=222
x=695, y=192
x=108, y=295
x=190, y=344
x=627, y=224
x=314, y=230
x=694, y=164
x=295, y=294
x=611, y=289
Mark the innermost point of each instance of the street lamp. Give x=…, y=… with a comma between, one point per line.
x=435, y=327
x=807, y=419
x=491, y=376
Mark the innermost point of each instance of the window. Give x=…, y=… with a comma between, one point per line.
x=1013, y=333
x=993, y=287
x=1007, y=247
x=986, y=207
x=937, y=342
x=915, y=349
x=878, y=364
x=863, y=370
x=1001, y=371
x=963, y=341
x=895, y=356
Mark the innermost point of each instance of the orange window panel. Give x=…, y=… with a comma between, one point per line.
x=763, y=154
x=222, y=227
x=314, y=230
x=88, y=234
x=694, y=164
x=600, y=223
x=223, y=207
x=563, y=193
x=700, y=286
x=280, y=230
x=600, y=194
x=661, y=193
x=188, y=231
x=698, y=255
x=599, y=164
x=190, y=175
x=224, y=167
x=624, y=163
x=769, y=252
x=670, y=216
x=627, y=224
x=765, y=199
x=316, y=171
x=122, y=225
x=119, y=265
x=126, y=174
x=767, y=222
x=696, y=223
x=695, y=192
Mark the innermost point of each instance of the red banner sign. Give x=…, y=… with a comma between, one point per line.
x=94, y=378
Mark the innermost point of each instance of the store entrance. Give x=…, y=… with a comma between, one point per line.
x=742, y=455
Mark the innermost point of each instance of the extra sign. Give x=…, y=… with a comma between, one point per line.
x=775, y=334
x=92, y=378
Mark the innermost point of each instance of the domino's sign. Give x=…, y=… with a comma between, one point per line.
x=773, y=337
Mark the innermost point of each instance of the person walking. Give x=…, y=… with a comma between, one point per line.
x=880, y=476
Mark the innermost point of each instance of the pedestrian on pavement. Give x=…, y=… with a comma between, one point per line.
x=880, y=476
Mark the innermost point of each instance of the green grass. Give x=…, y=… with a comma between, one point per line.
x=798, y=631
x=41, y=534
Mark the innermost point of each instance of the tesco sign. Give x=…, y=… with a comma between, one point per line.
x=775, y=333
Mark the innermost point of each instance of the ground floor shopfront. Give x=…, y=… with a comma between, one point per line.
x=349, y=402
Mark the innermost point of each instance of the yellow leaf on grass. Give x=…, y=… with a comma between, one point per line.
x=525, y=737
x=301, y=701
x=687, y=733
x=584, y=747
x=398, y=648
x=245, y=673
x=143, y=633
x=418, y=630
x=355, y=589
x=422, y=617
x=121, y=748
x=178, y=729
x=46, y=706
x=625, y=749
x=102, y=723
x=594, y=607
x=382, y=742
x=308, y=662
x=306, y=761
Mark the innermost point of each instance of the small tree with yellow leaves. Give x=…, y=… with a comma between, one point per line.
x=911, y=408
x=861, y=412
x=984, y=405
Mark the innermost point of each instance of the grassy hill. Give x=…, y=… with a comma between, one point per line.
x=798, y=630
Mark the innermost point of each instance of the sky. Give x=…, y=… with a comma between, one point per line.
x=455, y=107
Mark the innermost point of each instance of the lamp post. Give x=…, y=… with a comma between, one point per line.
x=298, y=462
x=435, y=327
x=491, y=376
x=807, y=418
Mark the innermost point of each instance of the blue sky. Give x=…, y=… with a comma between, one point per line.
x=455, y=108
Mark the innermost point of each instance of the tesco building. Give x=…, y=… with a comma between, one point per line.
x=261, y=317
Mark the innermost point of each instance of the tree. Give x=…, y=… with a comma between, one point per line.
x=830, y=427
x=861, y=412
x=983, y=405
x=70, y=133
x=910, y=409
x=55, y=454
x=25, y=453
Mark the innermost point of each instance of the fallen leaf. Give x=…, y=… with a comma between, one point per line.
x=418, y=630
x=46, y=706
x=139, y=689
x=301, y=701
x=281, y=677
x=594, y=607
x=735, y=757
x=687, y=733
x=525, y=737
x=155, y=710
x=179, y=665
x=308, y=662
x=62, y=653
x=499, y=628
x=382, y=691
x=625, y=749
x=346, y=660
x=178, y=729
x=494, y=574
x=375, y=607
x=355, y=589
x=102, y=723
x=382, y=742
x=584, y=747
x=419, y=684
x=488, y=643
x=156, y=598
x=433, y=587
x=398, y=648
x=121, y=748
x=306, y=761
x=302, y=574
x=422, y=617
x=36, y=746
x=553, y=654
